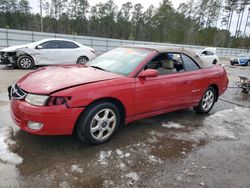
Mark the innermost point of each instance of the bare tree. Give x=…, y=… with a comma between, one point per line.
x=243, y=5
x=247, y=22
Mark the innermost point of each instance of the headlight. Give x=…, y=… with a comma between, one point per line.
x=38, y=100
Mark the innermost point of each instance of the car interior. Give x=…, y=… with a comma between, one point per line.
x=166, y=63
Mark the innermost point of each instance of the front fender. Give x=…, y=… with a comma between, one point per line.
x=84, y=95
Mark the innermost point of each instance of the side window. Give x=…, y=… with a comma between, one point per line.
x=155, y=63
x=166, y=63
x=189, y=64
x=67, y=44
x=50, y=45
x=178, y=63
x=204, y=53
x=209, y=53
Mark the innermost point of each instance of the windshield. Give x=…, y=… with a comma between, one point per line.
x=120, y=60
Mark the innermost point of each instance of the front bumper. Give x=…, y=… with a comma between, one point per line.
x=7, y=58
x=56, y=120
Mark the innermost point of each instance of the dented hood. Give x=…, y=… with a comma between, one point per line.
x=47, y=80
x=14, y=48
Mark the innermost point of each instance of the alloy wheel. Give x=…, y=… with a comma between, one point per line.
x=208, y=100
x=103, y=124
x=25, y=62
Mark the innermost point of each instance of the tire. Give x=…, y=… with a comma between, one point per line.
x=207, y=101
x=25, y=62
x=82, y=60
x=214, y=61
x=105, y=114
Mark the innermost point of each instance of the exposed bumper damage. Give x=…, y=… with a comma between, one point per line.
x=11, y=57
x=8, y=58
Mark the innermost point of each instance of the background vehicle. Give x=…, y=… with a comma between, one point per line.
x=119, y=86
x=209, y=55
x=46, y=52
x=242, y=59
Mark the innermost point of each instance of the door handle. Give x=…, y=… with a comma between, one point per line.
x=195, y=90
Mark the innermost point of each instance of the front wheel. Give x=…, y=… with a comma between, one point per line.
x=207, y=101
x=98, y=123
x=25, y=62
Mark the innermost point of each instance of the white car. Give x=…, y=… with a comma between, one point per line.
x=46, y=52
x=209, y=55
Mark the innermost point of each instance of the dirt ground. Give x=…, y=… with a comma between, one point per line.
x=178, y=149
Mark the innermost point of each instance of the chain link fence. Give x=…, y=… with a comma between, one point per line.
x=10, y=37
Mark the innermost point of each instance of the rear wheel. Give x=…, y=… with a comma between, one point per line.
x=82, y=60
x=98, y=123
x=214, y=61
x=25, y=62
x=207, y=101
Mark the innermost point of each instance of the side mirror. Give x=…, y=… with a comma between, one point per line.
x=148, y=73
x=39, y=47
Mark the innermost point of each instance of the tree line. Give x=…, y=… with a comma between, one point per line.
x=197, y=22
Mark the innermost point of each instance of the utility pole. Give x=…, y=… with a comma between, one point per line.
x=41, y=15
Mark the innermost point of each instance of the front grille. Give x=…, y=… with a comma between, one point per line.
x=16, y=92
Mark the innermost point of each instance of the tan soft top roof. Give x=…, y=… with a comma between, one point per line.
x=163, y=49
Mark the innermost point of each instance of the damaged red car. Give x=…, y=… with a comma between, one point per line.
x=120, y=86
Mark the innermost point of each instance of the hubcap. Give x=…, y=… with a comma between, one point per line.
x=103, y=124
x=207, y=100
x=82, y=61
x=25, y=63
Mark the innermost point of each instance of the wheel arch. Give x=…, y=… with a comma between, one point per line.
x=25, y=54
x=82, y=56
x=216, y=88
x=113, y=100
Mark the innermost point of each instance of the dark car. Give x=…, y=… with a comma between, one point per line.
x=242, y=59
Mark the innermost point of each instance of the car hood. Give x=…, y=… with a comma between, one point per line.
x=14, y=48
x=47, y=80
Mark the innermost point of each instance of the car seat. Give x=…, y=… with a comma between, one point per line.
x=166, y=67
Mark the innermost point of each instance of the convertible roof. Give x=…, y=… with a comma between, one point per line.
x=162, y=49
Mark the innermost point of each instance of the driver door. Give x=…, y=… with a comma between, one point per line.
x=49, y=53
x=169, y=91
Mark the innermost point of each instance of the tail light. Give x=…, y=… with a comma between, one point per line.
x=55, y=101
x=93, y=51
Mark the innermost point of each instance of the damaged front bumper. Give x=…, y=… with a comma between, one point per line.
x=8, y=58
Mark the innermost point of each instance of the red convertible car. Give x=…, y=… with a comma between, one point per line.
x=120, y=86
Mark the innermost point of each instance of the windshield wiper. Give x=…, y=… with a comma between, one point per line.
x=96, y=67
